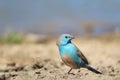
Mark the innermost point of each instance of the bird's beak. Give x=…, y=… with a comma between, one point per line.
x=72, y=37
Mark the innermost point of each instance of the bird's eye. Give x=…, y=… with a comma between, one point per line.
x=66, y=36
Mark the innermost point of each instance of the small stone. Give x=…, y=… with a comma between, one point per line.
x=86, y=73
x=112, y=74
x=2, y=77
x=45, y=68
x=37, y=65
x=11, y=64
x=119, y=61
x=38, y=72
x=20, y=68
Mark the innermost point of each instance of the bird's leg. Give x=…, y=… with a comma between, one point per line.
x=69, y=71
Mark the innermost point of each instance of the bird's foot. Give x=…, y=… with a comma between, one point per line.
x=69, y=73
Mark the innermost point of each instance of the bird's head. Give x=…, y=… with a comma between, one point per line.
x=64, y=39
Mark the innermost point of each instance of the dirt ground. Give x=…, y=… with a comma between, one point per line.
x=32, y=61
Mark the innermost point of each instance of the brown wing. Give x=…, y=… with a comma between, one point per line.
x=80, y=54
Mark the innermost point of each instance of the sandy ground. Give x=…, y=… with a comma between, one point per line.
x=29, y=61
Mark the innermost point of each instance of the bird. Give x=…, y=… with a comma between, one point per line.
x=71, y=55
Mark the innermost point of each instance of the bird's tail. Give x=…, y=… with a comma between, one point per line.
x=92, y=69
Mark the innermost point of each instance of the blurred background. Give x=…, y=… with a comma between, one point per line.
x=51, y=17
x=29, y=30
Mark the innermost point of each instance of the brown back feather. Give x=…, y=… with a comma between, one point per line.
x=80, y=54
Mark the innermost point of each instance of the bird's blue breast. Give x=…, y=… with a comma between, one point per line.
x=70, y=50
